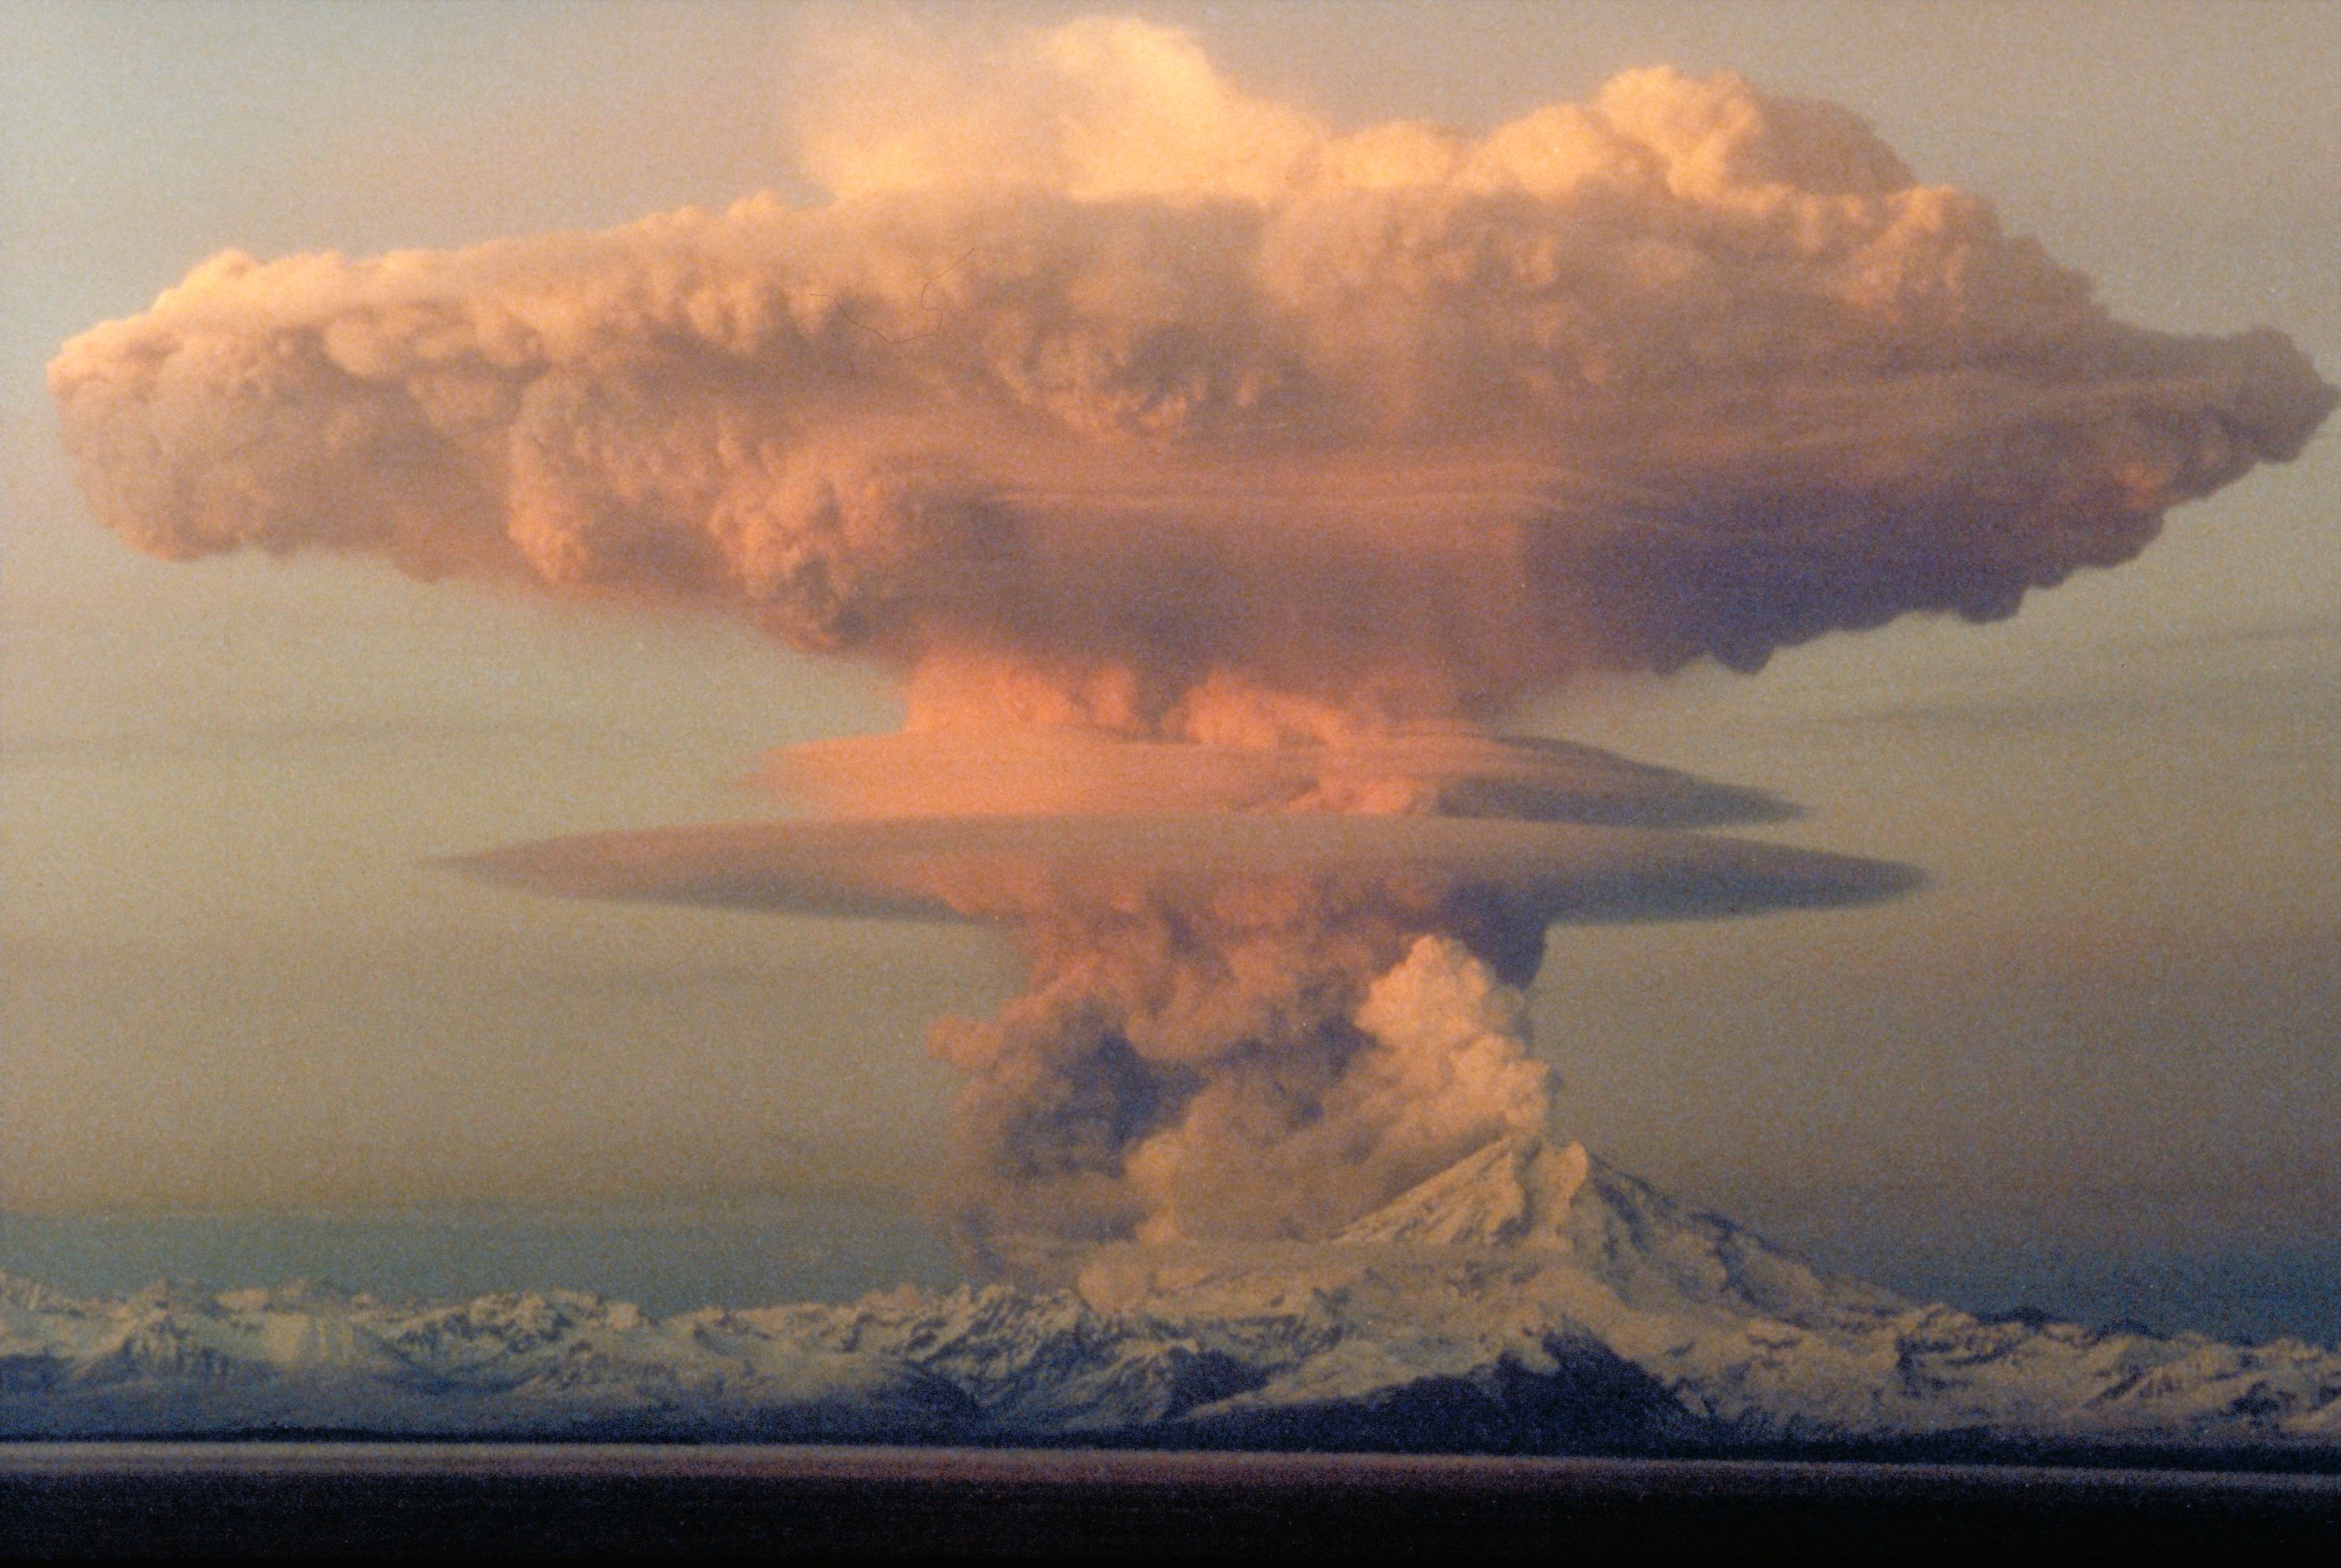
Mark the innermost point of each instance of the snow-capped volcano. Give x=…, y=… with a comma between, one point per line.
x=1530, y=1297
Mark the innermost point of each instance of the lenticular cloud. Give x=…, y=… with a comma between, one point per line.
x=1189, y=459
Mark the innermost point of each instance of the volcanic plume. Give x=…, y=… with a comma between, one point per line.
x=1266, y=987
x=1213, y=479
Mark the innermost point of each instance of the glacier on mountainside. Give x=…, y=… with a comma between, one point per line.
x=1528, y=1298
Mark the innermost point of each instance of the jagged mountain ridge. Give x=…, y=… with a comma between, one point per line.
x=1529, y=1297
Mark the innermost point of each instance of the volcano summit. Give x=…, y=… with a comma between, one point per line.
x=1529, y=1299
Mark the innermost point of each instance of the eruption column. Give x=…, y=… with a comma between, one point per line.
x=1257, y=465
x=1267, y=990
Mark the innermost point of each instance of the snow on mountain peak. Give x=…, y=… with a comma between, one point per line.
x=1529, y=1297
x=1516, y=1191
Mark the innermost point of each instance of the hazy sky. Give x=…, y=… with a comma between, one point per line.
x=231, y=976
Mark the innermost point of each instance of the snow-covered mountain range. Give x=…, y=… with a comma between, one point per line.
x=1530, y=1297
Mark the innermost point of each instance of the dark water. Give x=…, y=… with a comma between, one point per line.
x=280, y=1499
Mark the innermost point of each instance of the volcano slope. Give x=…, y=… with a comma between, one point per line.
x=1529, y=1299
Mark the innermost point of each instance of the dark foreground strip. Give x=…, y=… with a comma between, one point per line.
x=284, y=1499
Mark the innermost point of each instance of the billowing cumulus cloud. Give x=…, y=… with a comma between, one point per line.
x=1103, y=390
x=1209, y=475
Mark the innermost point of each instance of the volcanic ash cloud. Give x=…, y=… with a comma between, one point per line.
x=1102, y=396
x=1268, y=990
x=1102, y=391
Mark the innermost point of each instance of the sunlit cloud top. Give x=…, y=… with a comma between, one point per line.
x=1102, y=391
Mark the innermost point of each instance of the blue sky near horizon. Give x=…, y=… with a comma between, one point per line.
x=2112, y=1027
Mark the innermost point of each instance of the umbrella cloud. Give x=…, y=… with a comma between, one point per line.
x=1104, y=392
x=1210, y=478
